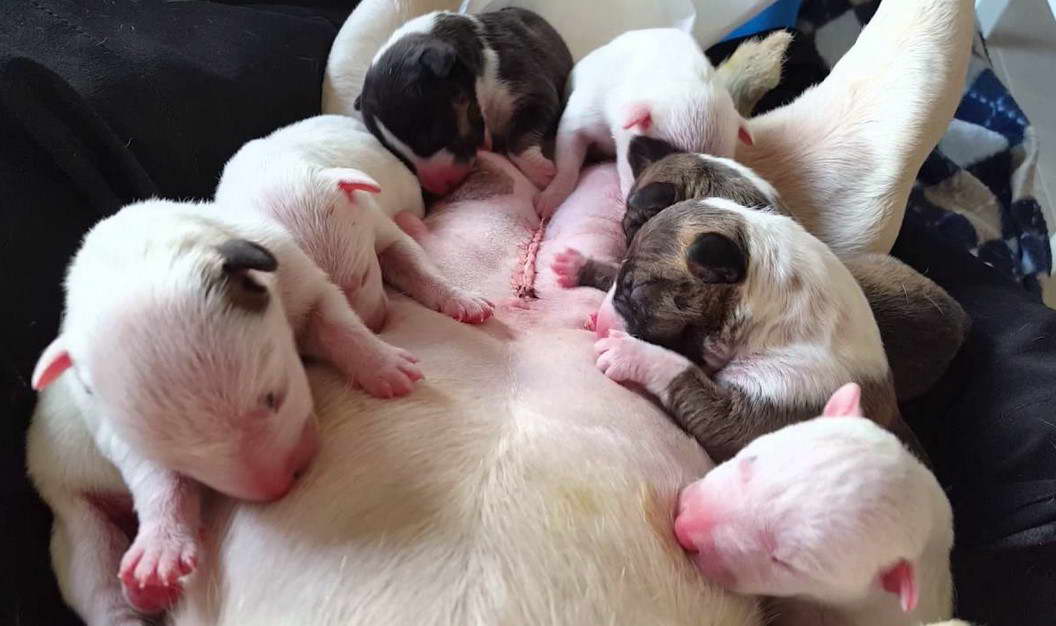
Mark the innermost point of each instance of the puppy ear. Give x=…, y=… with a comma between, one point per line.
x=240, y=256
x=52, y=363
x=639, y=116
x=844, y=402
x=644, y=151
x=901, y=580
x=438, y=57
x=350, y=180
x=716, y=259
x=744, y=135
x=356, y=103
x=654, y=197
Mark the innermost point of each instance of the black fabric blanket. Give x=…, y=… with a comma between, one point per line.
x=104, y=102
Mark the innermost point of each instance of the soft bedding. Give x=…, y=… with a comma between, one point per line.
x=104, y=104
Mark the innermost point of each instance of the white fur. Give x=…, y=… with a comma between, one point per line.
x=798, y=343
x=499, y=492
x=326, y=141
x=837, y=500
x=294, y=178
x=177, y=379
x=689, y=107
x=845, y=154
x=421, y=25
x=763, y=186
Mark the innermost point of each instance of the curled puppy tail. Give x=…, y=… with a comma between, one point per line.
x=754, y=69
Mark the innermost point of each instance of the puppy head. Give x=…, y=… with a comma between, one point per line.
x=833, y=509
x=684, y=272
x=419, y=99
x=189, y=357
x=664, y=176
x=697, y=117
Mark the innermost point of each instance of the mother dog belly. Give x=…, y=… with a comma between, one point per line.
x=516, y=485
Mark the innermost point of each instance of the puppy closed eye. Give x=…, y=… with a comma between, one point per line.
x=273, y=401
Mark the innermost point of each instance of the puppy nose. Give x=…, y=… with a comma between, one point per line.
x=694, y=521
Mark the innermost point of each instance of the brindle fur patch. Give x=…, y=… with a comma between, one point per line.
x=922, y=327
x=658, y=296
x=693, y=178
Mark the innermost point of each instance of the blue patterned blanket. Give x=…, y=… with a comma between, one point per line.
x=977, y=187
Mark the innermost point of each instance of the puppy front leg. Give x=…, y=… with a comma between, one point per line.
x=575, y=270
x=336, y=334
x=86, y=549
x=165, y=549
x=574, y=137
x=723, y=419
x=405, y=266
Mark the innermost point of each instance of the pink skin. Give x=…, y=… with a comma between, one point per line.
x=272, y=483
x=626, y=359
x=607, y=318
x=166, y=545
x=566, y=266
x=440, y=178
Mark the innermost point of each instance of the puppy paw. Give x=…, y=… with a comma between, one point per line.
x=626, y=359
x=536, y=167
x=152, y=567
x=465, y=307
x=387, y=372
x=621, y=357
x=547, y=201
x=566, y=266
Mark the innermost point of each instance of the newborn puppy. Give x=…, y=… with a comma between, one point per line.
x=739, y=322
x=665, y=176
x=833, y=517
x=303, y=178
x=632, y=87
x=446, y=84
x=921, y=326
x=176, y=362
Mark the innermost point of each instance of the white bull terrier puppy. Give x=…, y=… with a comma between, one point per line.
x=654, y=82
x=833, y=517
x=319, y=179
x=177, y=361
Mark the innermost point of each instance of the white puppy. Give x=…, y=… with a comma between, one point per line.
x=633, y=86
x=319, y=179
x=177, y=360
x=833, y=517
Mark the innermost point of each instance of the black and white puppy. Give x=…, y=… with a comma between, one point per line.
x=447, y=84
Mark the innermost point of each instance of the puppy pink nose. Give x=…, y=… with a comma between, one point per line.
x=694, y=521
x=608, y=319
x=440, y=179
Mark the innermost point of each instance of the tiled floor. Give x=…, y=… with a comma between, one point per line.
x=1023, y=50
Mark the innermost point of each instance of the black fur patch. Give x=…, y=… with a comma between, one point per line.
x=241, y=290
x=423, y=88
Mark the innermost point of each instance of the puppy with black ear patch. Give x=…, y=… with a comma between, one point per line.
x=665, y=176
x=177, y=363
x=447, y=84
x=739, y=322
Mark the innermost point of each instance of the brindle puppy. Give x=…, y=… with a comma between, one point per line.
x=664, y=176
x=922, y=327
x=740, y=322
